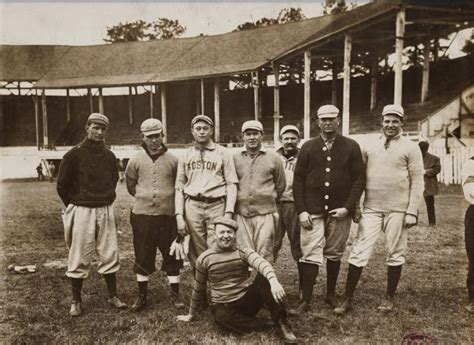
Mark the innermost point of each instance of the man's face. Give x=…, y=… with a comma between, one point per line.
x=290, y=141
x=202, y=132
x=391, y=125
x=252, y=139
x=153, y=141
x=96, y=132
x=225, y=237
x=329, y=125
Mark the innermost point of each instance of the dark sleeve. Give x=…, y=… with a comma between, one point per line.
x=299, y=179
x=434, y=168
x=358, y=177
x=114, y=167
x=66, y=177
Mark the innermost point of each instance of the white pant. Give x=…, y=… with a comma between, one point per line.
x=371, y=225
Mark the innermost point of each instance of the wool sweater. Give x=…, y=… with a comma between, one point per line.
x=227, y=274
x=88, y=175
x=394, y=176
x=261, y=182
x=151, y=181
x=289, y=164
x=326, y=179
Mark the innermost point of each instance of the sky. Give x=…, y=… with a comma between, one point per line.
x=85, y=22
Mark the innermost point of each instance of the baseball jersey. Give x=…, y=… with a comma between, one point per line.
x=206, y=172
x=289, y=166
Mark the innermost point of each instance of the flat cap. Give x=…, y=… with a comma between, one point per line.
x=289, y=128
x=98, y=118
x=327, y=111
x=226, y=221
x=252, y=124
x=151, y=126
x=204, y=118
x=393, y=109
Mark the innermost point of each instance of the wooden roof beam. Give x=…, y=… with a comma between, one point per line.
x=439, y=9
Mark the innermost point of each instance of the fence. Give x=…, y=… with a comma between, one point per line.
x=452, y=163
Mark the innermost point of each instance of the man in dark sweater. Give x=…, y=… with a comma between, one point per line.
x=328, y=182
x=86, y=184
x=234, y=299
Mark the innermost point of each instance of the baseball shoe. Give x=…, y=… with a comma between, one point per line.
x=470, y=308
x=345, y=306
x=286, y=332
x=302, y=308
x=386, y=305
x=177, y=301
x=139, y=304
x=76, y=309
x=331, y=300
x=116, y=303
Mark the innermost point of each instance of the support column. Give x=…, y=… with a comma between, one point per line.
x=307, y=94
x=202, y=97
x=36, y=104
x=334, y=84
x=45, y=118
x=101, y=101
x=426, y=71
x=151, y=101
x=347, y=84
x=256, y=94
x=130, y=105
x=91, y=102
x=217, y=111
x=400, y=32
x=163, y=112
x=68, y=106
x=198, y=99
x=276, y=104
x=373, y=80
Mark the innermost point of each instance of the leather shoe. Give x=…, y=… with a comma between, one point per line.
x=345, y=306
x=302, y=308
x=76, y=309
x=116, y=303
x=331, y=300
x=386, y=305
x=287, y=333
x=139, y=304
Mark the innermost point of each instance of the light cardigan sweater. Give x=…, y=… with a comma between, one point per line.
x=394, y=176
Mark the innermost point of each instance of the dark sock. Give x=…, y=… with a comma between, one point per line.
x=353, y=276
x=393, y=277
x=142, y=288
x=300, y=275
x=111, y=284
x=310, y=272
x=332, y=268
x=76, y=285
x=175, y=288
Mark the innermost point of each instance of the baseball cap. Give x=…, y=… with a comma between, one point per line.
x=98, y=118
x=393, y=109
x=327, y=111
x=289, y=128
x=151, y=126
x=252, y=124
x=226, y=221
x=204, y=118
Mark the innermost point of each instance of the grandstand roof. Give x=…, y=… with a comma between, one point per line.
x=232, y=53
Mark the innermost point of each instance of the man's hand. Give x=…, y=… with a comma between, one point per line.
x=185, y=318
x=305, y=220
x=357, y=215
x=177, y=249
x=409, y=220
x=181, y=224
x=278, y=292
x=339, y=213
x=228, y=215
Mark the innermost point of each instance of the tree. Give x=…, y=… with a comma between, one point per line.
x=139, y=30
x=337, y=6
x=286, y=15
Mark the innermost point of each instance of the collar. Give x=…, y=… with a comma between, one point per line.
x=209, y=146
x=325, y=140
x=281, y=151
x=91, y=144
x=384, y=139
x=161, y=151
x=262, y=149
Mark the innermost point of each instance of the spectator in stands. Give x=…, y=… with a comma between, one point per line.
x=39, y=171
x=468, y=189
x=86, y=184
x=432, y=167
x=52, y=171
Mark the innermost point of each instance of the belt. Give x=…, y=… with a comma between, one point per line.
x=204, y=199
x=286, y=202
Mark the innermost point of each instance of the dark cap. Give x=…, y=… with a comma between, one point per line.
x=98, y=118
x=226, y=221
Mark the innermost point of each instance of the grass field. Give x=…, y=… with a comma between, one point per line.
x=34, y=307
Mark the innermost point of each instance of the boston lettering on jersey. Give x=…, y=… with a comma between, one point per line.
x=201, y=165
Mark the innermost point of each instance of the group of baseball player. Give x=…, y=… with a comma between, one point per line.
x=227, y=212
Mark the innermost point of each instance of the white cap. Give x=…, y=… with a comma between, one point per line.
x=252, y=124
x=289, y=128
x=393, y=109
x=151, y=126
x=328, y=111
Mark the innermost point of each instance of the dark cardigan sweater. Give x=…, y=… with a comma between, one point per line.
x=328, y=179
x=88, y=175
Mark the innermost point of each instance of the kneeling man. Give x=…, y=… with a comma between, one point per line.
x=234, y=299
